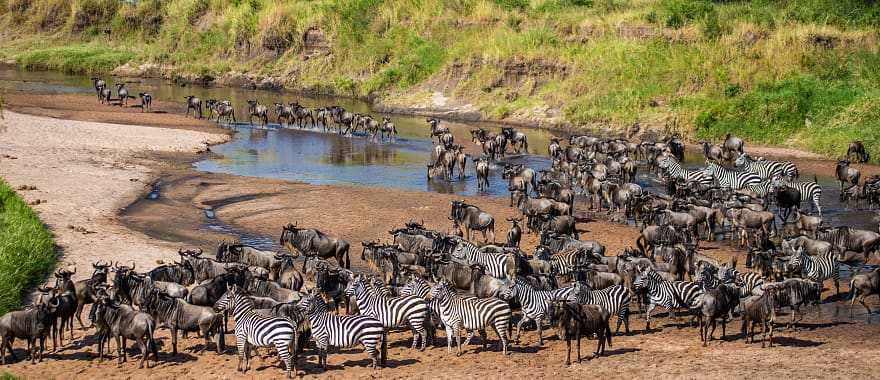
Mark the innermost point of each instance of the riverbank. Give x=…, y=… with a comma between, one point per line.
x=84, y=170
x=83, y=173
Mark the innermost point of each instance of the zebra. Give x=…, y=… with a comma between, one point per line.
x=761, y=190
x=810, y=190
x=767, y=169
x=746, y=281
x=730, y=178
x=615, y=299
x=535, y=303
x=391, y=311
x=707, y=276
x=341, y=330
x=471, y=314
x=816, y=268
x=562, y=263
x=674, y=170
x=252, y=329
x=669, y=294
x=497, y=265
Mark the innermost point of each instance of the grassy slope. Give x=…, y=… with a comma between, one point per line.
x=27, y=252
x=796, y=73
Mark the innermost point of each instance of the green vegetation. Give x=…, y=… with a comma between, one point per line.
x=80, y=59
x=27, y=252
x=803, y=74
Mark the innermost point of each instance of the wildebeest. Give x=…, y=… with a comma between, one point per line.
x=65, y=301
x=311, y=242
x=245, y=254
x=258, y=110
x=472, y=218
x=33, y=324
x=864, y=285
x=515, y=233
x=84, y=289
x=518, y=140
x=99, y=85
x=177, y=314
x=122, y=92
x=573, y=321
x=146, y=101
x=195, y=104
x=285, y=273
x=845, y=174
x=759, y=309
x=732, y=144
x=123, y=322
x=716, y=303
x=713, y=152
x=857, y=149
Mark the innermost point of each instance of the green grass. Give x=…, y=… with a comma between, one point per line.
x=802, y=74
x=27, y=252
x=78, y=59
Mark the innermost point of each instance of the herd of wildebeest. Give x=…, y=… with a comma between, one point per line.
x=423, y=278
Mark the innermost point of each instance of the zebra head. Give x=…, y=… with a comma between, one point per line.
x=356, y=288
x=509, y=291
x=416, y=286
x=645, y=277
x=230, y=299
x=441, y=290
x=741, y=160
x=797, y=260
x=312, y=303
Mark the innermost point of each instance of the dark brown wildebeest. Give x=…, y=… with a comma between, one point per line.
x=572, y=321
x=123, y=322
x=482, y=168
x=100, y=85
x=311, y=242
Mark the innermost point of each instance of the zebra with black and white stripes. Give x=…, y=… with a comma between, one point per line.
x=745, y=281
x=391, y=311
x=669, y=294
x=252, y=329
x=471, y=314
x=341, y=330
x=767, y=169
x=673, y=169
x=535, y=303
x=761, y=190
x=730, y=178
x=816, y=268
x=498, y=265
x=809, y=190
x=615, y=299
x=564, y=262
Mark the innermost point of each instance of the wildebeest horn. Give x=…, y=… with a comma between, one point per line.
x=133, y=265
x=74, y=270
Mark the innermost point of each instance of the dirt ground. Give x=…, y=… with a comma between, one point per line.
x=96, y=176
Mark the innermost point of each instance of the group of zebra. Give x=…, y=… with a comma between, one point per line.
x=294, y=114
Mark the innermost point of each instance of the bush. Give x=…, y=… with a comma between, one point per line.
x=27, y=252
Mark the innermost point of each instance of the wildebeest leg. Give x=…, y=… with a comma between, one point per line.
x=712, y=333
x=120, y=351
x=484, y=338
x=79, y=309
x=144, y=351
x=568, y=350
x=174, y=340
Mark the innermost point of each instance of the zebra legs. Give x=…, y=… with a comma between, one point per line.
x=519, y=326
x=648, y=316
x=623, y=317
